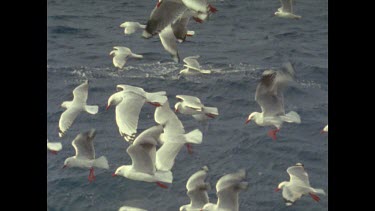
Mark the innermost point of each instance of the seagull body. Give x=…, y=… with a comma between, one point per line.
x=142, y=153
x=197, y=190
x=54, y=147
x=173, y=137
x=298, y=185
x=269, y=95
x=191, y=105
x=129, y=101
x=121, y=55
x=286, y=10
x=192, y=67
x=131, y=27
x=85, y=154
x=74, y=107
x=227, y=190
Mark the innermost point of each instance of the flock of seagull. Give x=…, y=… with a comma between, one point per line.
x=154, y=150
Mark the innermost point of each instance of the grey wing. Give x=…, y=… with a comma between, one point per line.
x=141, y=155
x=168, y=40
x=268, y=95
x=83, y=144
x=80, y=93
x=230, y=180
x=287, y=6
x=198, y=197
x=298, y=176
x=164, y=15
x=67, y=118
x=127, y=114
x=180, y=26
x=196, y=179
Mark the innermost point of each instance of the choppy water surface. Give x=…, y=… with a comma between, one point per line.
x=240, y=41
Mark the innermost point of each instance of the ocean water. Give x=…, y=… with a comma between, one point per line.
x=239, y=42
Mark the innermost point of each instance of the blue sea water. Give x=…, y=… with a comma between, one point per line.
x=240, y=41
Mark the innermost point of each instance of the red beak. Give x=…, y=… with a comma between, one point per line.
x=176, y=110
x=114, y=174
x=277, y=189
x=106, y=108
x=64, y=166
x=247, y=121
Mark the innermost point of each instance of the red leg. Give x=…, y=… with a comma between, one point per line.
x=272, y=133
x=189, y=148
x=211, y=116
x=53, y=152
x=154, y=104
x=158, y=4
x=161, y=185
x=198, y=20
x=212, y=8
x=91, y=175
x=315, y=197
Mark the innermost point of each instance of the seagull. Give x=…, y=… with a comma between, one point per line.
x=164, y=14
x=298, y=185
x=73, y=108
x=325, y=129
x=286, y=10
x=85, y=154
x=142, y=153
x=167, y=11
x=227, y=190
x=131, y=27
x=269, y=96
x=129, y=101
x=191, y=105
x=121, y=55
x=54, y=147
x=193, y=67
x=197, y=190
x=173, y=137
x=127, y=208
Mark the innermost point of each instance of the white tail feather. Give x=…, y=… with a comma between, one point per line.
x=320, y=191
x=164, y=176
x=211, y=110
x=291, y=117
x=92, y=109
x=138, y=56
x=101, y=162
x=194, y=137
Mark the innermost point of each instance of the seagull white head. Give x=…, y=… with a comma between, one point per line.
x=70, y=162
x=281, y=185
x=253, y=115
x=121, y=171
x=114, y=100
x=177, y=106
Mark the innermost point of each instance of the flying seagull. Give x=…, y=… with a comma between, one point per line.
x=298, y=185
x=269, y=96
x=73, y=108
